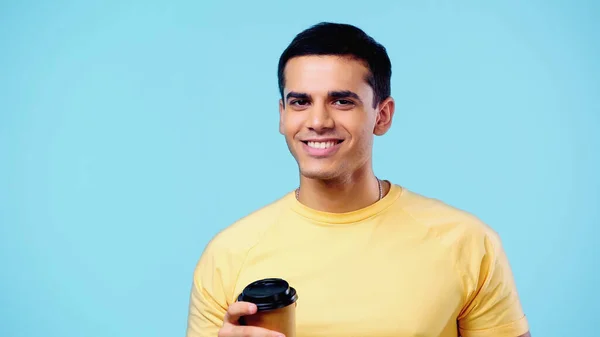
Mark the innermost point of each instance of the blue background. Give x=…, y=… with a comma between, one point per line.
x=131, y=132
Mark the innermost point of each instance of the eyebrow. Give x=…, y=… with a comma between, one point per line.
x=344, y=94
x=298, y=95
x=333, y=94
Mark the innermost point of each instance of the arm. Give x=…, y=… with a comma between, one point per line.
x=527, y=334
x=208, y=297
x=493, y=308
x=212, y=310
x=205, y=315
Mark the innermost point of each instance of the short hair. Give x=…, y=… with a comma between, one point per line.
x=328, y=38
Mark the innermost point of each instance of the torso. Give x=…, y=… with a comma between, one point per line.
x=378, y=278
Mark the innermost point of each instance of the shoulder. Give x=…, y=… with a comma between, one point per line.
x=240, y=236
x=472, y=246
x=217, y=270
x=454, y=227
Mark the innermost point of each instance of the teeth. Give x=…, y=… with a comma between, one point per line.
x=321, y=145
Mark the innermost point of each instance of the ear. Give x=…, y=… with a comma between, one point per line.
x=281, y=112
x=385, y=113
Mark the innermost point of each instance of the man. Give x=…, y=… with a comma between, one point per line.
x=366, y=256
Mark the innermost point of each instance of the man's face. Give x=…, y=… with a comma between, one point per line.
x=327, y=115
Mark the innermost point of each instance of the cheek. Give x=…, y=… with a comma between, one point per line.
x=359, y=129
x=292, y=124
x=362, y=138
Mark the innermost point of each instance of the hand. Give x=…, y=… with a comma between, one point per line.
x=232, y=328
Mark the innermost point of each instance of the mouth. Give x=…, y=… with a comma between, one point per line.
x=322, y=148
x=322, y=144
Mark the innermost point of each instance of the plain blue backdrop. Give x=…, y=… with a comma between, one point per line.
x=133, y=131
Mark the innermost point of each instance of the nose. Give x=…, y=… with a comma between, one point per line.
x=320, y=118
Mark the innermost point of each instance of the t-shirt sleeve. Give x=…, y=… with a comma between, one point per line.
x=493, y=308
x=209, y=293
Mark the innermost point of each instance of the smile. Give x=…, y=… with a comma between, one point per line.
x=321, y=145
x=323, y=148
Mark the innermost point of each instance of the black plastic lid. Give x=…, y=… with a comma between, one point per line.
x=269, y=294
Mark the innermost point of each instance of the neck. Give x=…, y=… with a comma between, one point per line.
x=341, y=195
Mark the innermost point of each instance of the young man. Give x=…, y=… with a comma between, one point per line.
x=366, y=256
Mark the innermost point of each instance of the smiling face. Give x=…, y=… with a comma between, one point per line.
x=327, y=115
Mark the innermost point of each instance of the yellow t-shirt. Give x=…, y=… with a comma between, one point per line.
x=405, y=266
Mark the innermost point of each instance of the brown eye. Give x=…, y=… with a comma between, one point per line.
x=344, y=102
x=299, y=102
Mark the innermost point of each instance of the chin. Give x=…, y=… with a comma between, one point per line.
x=318, y=174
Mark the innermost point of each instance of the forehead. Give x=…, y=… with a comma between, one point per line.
x=316, y=74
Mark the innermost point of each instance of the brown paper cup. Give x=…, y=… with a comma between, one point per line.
x=276, y=302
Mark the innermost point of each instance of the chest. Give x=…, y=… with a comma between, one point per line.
x=366, y=287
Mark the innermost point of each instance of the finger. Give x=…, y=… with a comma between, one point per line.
x=239, y=309
x=247, y=331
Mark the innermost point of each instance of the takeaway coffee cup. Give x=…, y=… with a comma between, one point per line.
x=276, y=303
